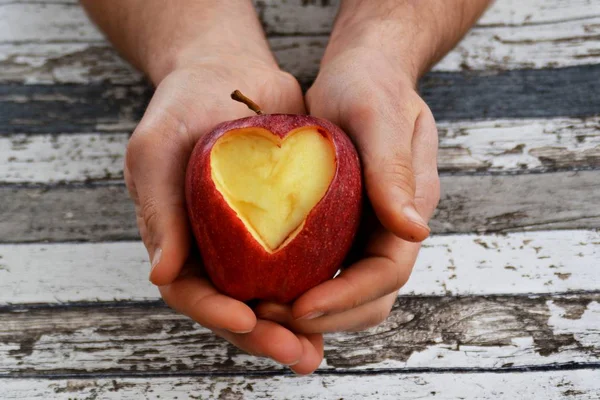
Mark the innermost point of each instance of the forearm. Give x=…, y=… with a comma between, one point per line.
x=414, y=34
x=157, y=36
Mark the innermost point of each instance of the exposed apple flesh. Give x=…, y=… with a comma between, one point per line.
x=274, y=203
x=272, y=184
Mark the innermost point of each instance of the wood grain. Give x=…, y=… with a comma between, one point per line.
x=520, y=202
x=480, y=203
x=53, y=42
x=72, y=213
x=62, y=158
x=71, y=108
x=459, y=265
x=513, y=94
x=529, y=145
x=503, y=146
x=550, y=385
x=422, y=332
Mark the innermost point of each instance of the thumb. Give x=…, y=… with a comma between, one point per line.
x=155, y=167
x=384, y=143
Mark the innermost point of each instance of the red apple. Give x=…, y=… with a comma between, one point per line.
x=274, y=203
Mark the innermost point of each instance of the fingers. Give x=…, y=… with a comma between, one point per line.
x=312, y=354
x=360, y=318
x=268, y=339
x=237, y=323
x=199, y=300
x=386, y=268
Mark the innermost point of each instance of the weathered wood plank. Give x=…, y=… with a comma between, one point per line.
x=53, y=42
x=421, y=332
x=513, y=94
x=287, y=17
x=519, y=145
x=98, y=213
x=535, y=262
x=484, y=146
x=62, y=158
x=56, y=63
x=75, y=272
x=96, y=62
x=71, y=108
x=520, y=202
x=484, y=203
x=566, y=92
x=549, y=385
x=532, y=262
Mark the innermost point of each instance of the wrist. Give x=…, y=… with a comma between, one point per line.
x=394, y=31
x=224, y=30
x=412, y=34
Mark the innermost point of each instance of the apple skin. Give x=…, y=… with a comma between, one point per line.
x=235, y=262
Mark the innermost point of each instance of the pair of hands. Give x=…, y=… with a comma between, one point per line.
x=394, y=131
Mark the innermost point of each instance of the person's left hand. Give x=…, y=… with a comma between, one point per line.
x=396, y=137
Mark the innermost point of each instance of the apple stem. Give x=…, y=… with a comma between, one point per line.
x=238, y=96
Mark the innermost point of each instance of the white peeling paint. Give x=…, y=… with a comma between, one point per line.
x=534, y=262
x=550, y=385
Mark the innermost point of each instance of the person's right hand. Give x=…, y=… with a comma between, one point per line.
x=187, y=104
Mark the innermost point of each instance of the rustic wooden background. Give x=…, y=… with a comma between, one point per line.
x=504, y=302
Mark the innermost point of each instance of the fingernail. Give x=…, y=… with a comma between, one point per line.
x=156, y=259
x=412, y=214
x=240, y=332
x=312, y=315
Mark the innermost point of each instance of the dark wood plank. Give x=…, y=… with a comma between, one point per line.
x=422, y=332
x=452, y=96
x=572, y=91
x=71, y=108
x=484, y=203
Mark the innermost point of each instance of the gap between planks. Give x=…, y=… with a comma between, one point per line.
x=490, y=146
x=582, y=385
x=458, y=265
x=53, y=42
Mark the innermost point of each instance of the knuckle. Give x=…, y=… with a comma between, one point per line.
x=376, y=317
x=436, y=191
x=136, y=148
x=397, y=172
x=289, y=80
x=149, y=213
x=430, y=194
x=362, y=114
x=352, y=293
x=400, y=277
x=155, y=134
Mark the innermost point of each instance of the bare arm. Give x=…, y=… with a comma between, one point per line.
x=414, y=34
x=159, y=36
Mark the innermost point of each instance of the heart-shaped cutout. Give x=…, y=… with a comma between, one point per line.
x=271, y=183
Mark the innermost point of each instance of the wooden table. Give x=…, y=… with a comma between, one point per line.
x=504, y=302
